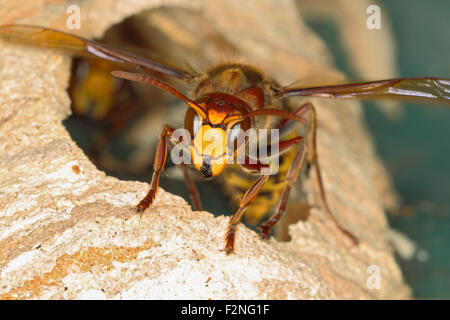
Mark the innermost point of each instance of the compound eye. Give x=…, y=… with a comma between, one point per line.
x=197, y=124
x=192, y=122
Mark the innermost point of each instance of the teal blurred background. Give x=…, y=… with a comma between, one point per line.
x=416, y=149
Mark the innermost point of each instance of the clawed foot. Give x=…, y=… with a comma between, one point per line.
x=138, y=209
x=265, y=231
x=229, y=242
x=145, y=203
x=228, y=250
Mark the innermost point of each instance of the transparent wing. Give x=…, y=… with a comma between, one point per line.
x=44, y=37
x=427, y=89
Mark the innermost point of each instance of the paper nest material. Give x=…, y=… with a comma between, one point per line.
x=68, y=231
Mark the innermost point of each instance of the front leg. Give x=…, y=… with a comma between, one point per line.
x=249, y=195
x=292, y=175
x=289, y=180
x=293, y=172
x=160, y=160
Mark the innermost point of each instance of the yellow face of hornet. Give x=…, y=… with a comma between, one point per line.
x=209, y=151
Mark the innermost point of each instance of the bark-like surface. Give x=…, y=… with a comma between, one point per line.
x=68, y=231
